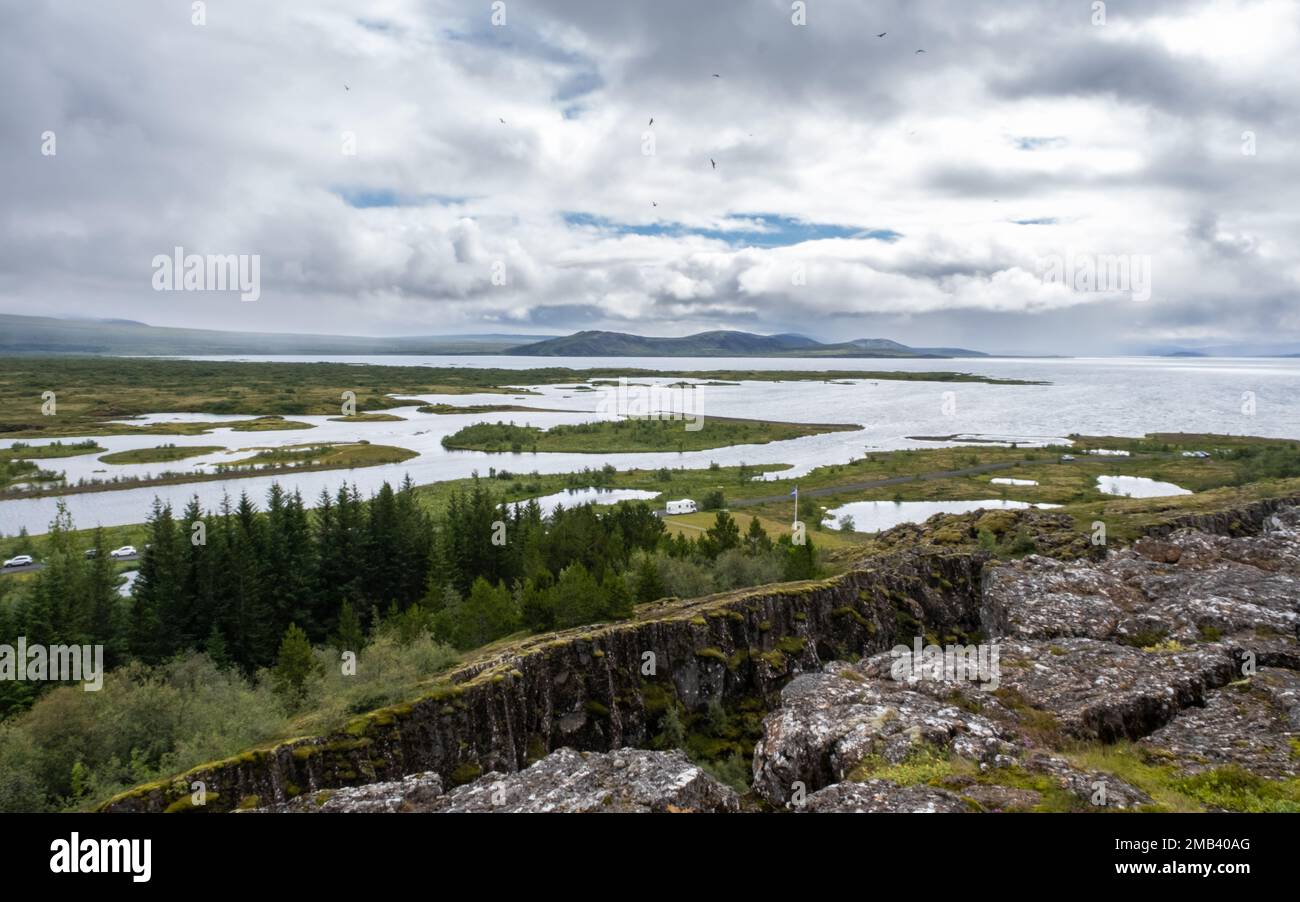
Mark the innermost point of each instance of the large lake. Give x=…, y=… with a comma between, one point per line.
x=1111, y=396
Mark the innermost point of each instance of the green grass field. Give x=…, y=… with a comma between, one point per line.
x=369, y=418
x=326, y=456
x=23, y=451
x=479, y=408
x=266, y=462
x=159, y=454
x=693, y=525
x=610, y=436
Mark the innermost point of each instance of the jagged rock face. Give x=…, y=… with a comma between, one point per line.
x=1252, y=519
x=1254, y=724
x=1215, y=684
x=1185, y=645
x=843, y=725
x=1102, y=691
x=625, y=780
x=830, y=722
x=1184, y=587
x=409, y=794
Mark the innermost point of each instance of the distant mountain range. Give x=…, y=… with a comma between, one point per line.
x=1232, y=350
x=49, y=335
x=53, y=335
x=724, y=344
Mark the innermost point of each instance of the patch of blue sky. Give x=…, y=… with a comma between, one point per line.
x=368, y=198
x=745, y=229
x=1032, y=142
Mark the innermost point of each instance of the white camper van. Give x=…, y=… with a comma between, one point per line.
x=685, y=506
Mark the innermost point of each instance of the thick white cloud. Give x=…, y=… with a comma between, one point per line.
x=1022, y=134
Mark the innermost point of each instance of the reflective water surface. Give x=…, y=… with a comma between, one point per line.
x=1089, y=396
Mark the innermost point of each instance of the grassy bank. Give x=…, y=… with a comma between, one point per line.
x=191, y=427
x=610, y=436
x=369, y=418
x=267, y=462
x=445, y=409
x=24, y=451
x=159, y=454
x=327, y=456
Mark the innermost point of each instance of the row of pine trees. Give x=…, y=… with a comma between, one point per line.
x=235, y=581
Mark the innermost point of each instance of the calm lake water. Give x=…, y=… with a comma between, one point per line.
x=873, y=516
x=1138, y=487
x=1097, y=396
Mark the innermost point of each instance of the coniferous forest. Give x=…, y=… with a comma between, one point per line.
x=233, y=581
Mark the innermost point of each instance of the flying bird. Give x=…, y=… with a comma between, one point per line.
x=715, y=165
x=716, y=75
x=920, y=51
x=346, y=88
x=502, y=121
x=653, y=204
x=882, y=34
x=652, y=120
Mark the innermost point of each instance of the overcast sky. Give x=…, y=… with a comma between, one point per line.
x=861, y=189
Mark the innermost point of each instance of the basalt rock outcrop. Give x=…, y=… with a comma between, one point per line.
x=1183, y=645
x=1178, y=648
x=413, y=793
x=856, y=723
x=1244, y=520
x=829, y=723
x=1186, y=587
x=565, y=781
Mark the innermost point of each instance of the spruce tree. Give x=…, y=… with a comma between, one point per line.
x=349, y=636
x=250, y=643
x=800, y=560
x=215, y=647
x=757, y=540
x=649, y=586
x=197, y=576
x=723, y=535
x=105, y=603
x=577, y=597
x=296, y=668
x=617, y=597
x=157, y=613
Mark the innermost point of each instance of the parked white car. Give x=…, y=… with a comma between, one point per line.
x=1066, y=457
x=124, y=551
x=22, y=560
x=685, y=506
